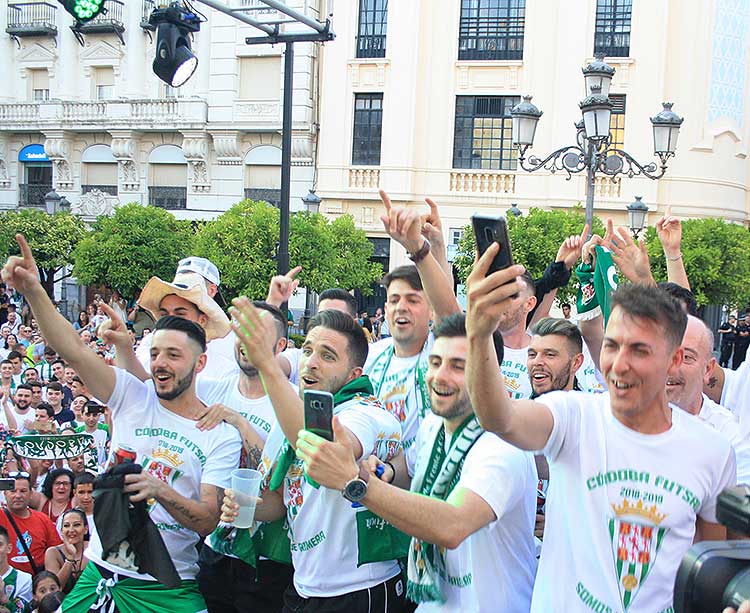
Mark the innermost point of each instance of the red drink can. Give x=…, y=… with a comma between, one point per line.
x=124, y=454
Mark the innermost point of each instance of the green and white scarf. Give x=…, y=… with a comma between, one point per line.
x=56, y=447
x=596, y=284
x=436, y=478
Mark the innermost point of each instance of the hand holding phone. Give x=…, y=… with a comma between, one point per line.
x=319, y=413
x=489, y=229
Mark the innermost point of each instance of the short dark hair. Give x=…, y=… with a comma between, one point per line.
x=655, y=305
x=548, y=326
x=682, y=295
x=41, y=576
x=58, y=361
x=6, y=361
x=50, y=479
x=46, y=406
x=279, y=320
x=23, y=386
x=343, y=324
x=25, y=370
x=408, y=273
x=34, y=384
x=191, y=329
x=92, y=406
x=84, y=479
x=565, y=304
x=77, y=379
x=14, y=355
x=336, y=293
x=49, y=351
x=51, y=602
x=529, y=281
x=454, y=326
x=55, y=385
x=4, y=534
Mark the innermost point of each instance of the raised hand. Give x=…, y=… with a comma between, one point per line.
x=282, y=287
x=246, y=323
x=488, y=297
x=631, y=258
x=21, y=271
x=114, y=331
x=669, y=230
x=570, y=250
x=403, y=224
x=432, y=225
x=331, y=464
x=587, y=252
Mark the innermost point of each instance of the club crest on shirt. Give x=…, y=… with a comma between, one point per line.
x=636, y=539
x=165, y=470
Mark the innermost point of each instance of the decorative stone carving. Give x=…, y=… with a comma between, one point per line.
x=94, y=203
x=302, y=150
x=61, y=175
x=195, y=150
x=124, y=150
x=4, y=178
x=227, y=147
x=57, y=148
x=128, y=175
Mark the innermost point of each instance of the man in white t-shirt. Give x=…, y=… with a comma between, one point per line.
x=228, y=583
x=334, y=568
x=474, y=538
x=685, y=389
x=627, y=499
x=185, y=470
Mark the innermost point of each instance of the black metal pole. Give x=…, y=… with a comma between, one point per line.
x=286, y=160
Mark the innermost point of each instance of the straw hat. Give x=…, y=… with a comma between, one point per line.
x=192, y=288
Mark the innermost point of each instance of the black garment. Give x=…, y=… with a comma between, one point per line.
x=230, y=585
x=554, y=276
x=728, y=336
x=64, y=416
x=740, y=345
x=386, y=597
x=118, y=520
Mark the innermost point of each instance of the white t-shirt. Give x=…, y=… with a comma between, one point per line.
x=258, y=411
x=736, y=394
x=515, y=370
x=494, y=568
x=322, y=523
x=399, y=384
x=171, y=448
x=220, y=360
x=22, y=589
x=622, y=506
x=291, y=355
x=722, y=420
x=588, y=376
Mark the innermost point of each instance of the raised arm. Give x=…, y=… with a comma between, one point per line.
x=523, y=423
x=669, y=230
x=115, y=332
x=404, y=225
x=22, y=274
x=631, y=257
x=432, y=230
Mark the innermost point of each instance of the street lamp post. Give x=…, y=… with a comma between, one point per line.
x=594, y=150
x=637, y=212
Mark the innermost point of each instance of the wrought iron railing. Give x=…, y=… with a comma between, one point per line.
x=147, y=7
x=107, y=189
x=168, y=197
x=272, y=196
x=32, y=194
x=31, y=16
x=371, y=45
x=492, y=38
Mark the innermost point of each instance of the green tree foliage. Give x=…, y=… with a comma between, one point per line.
x=535, y=239
x=716, y=255
x=125, y=250
x=52, y=239
x=242, y=243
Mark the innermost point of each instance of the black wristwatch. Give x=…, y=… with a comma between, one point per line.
x=356, y=489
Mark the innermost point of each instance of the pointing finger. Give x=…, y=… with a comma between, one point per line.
x=434, y=213
x=25, y=249
x=585, y=233
x=386, y=200
x=293, y=272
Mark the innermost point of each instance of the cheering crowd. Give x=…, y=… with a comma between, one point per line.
x=494, y=460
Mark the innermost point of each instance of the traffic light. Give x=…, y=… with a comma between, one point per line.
x=83, y=10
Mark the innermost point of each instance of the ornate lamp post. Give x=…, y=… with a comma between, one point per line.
x=637, y=212
x=594, y=151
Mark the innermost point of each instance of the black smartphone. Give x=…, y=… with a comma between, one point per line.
x=7, y=485
x=319, y=413
x=490, y=229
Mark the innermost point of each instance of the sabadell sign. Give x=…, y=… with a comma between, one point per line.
x=32, y=153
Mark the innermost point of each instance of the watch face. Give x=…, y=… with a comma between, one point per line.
x=355, y=490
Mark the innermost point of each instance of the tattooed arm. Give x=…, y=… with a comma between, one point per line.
x=198, y=515
x=252, y=443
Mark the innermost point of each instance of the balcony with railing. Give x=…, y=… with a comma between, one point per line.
x=109, y=21
x=271, y=196
x=147, y=7
x=32, y=19
x=32, y=195
x=371, y=45
x=168, y=197
x=105, y=189
x=491, y=38
x=145, y=114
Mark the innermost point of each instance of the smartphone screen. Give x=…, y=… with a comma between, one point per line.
x=490, y=229
x=319, y=413
x=7, y=485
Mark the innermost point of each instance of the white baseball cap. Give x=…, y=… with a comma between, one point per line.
x=205, y=268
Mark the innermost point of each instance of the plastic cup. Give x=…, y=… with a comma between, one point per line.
x=246, y=487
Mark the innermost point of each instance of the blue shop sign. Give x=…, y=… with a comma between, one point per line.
x=32, y=153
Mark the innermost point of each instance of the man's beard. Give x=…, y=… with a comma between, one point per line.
x=179, y=387
x=558, y=382
x=249, y=371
